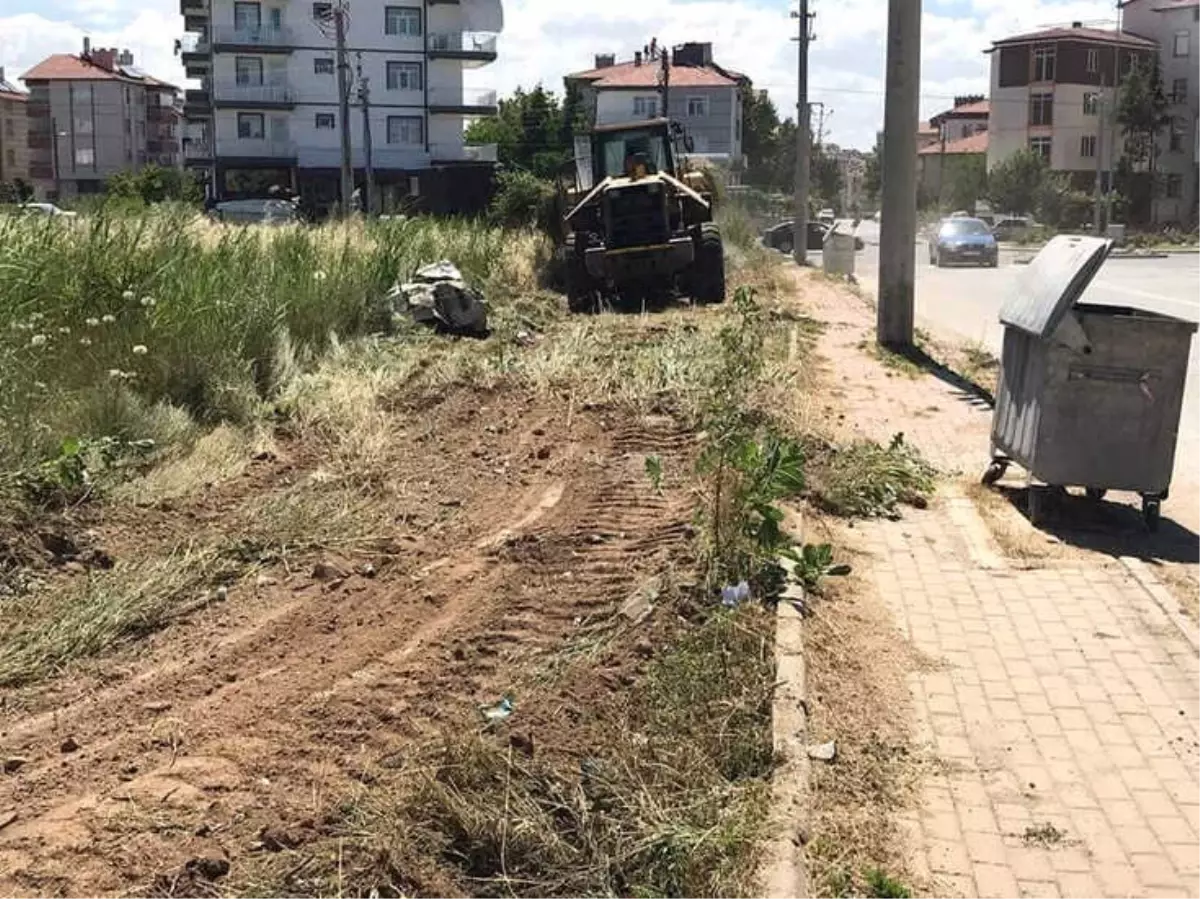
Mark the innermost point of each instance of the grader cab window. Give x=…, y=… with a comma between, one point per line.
x=619, y=149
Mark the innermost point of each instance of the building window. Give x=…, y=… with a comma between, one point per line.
x=1041, y=109
x=1043, y=63
x=1091, y=104
x=404, y=76
x=248, y=70
x=322, y=12
x=1176, y=135
x=1087, y=146
x=322, y=65
x=1093, y=60
x=402, y=20
x=83, y=124
x=1179, y=90
x=11, y=156
x=1174, y=186
x=408, y=130
x=1183, y=40
x=247, y=16
x=250, y=126
x=85, y=156
x=1041, y=146
x=324, y=120
x=645, y=107
x=697, y=106
x=9, y=128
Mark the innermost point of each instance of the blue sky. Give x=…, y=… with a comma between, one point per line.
x=545, y=38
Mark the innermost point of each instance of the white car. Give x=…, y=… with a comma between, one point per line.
x=44, y=209
x=826, y=215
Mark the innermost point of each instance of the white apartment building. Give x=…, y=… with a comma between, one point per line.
x=266, y=112
x=1175, y=25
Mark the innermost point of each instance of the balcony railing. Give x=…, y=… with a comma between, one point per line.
x=462, y=98
x=256, y=37
x=272, y=148
x=383, y=156
x=275, y=94
x=462, y=42
x=464, y=153
x=197, y=149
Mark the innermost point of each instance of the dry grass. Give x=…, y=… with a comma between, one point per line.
x=857, y=664
x=1017, y=539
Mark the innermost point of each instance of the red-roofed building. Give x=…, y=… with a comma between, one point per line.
x=14, y=149
x=93, y=115
x=705, y=98
x=1048, y=88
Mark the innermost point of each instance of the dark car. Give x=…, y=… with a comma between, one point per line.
x=1012, y=228
x=964, y=240
x=781, y=236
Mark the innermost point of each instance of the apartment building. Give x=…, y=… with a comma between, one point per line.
x=14, y=149
x=704, y=97
x=267, y=114
x=1049, y=89
x=1175, y=26
x=93, y=115
x=957, y=137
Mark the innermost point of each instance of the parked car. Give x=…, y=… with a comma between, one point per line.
x=44, y=209
x=1012, y=227
x=826, y=215
x=963, y=240
x=264, y=212
x=780, y=236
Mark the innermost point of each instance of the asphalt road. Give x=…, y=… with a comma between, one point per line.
x=965, y=303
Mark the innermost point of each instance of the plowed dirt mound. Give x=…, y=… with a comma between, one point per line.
x=527, y=524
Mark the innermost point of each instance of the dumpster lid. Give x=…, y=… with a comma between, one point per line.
x=1053, y=283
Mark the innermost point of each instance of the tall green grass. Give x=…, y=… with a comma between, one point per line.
x=108, y=320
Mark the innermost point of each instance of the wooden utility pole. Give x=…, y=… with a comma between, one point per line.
x=340, y=11
x=364, y=97
x=898, y=228
x=803, y=139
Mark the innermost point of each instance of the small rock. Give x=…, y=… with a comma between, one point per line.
x=263, y=456
x=367, y=570
x=643, y=648
x=595, y=538
x=276, y=839
x=208, y=868
x=221, y=593
x=264, y=580
x=68, y=745
x=75, y=567
x=523, y=743
x=160, y=705
x=327, y=571
x=823, y=752
x=14, y=763
x=202, y=831
x=543, y=452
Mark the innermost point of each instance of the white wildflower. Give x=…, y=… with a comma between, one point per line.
x=64, y=330
x=108, y=319
x=85, y=341
x=127, y=294
x=148, y=301
x=140, y=350
x=319, y=275
x=116, y=373
x=37, y=340
x=92, y=322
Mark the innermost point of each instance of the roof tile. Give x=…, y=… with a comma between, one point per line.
x=975, y=143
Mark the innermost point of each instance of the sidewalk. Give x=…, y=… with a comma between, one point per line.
x=1060, y=702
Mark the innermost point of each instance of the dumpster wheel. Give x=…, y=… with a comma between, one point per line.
x=1151, y=508
x=995, y=471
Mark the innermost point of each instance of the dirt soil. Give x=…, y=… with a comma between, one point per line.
x=234, y=733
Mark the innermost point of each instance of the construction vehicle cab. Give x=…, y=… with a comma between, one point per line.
x=637, y=225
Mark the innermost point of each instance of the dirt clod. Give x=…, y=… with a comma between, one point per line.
x=14, y=763
x=68, y=745
x=160, y=705
x=277, y=839
x=327, y=571
x=209, y=868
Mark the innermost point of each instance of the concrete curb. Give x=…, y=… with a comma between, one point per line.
x=1145, y=576
x=785, y=873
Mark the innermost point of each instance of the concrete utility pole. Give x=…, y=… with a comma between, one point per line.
x=364, y=97
x=343, y=82
x=898, y=228
x=803, y=139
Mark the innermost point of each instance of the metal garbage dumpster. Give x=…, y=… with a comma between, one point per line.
x=1089, y=395
x=837, y=252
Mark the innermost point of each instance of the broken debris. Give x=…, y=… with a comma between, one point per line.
x=438, y=296
x=823, y=752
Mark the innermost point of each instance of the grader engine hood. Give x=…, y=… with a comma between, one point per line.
x=693, y=202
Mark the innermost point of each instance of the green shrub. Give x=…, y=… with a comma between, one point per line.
x=523, y=200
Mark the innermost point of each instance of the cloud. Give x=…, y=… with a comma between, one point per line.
x=544, y=39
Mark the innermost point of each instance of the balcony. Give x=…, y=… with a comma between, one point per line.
x=464, y=153
x=193, y=8
x=160, y=112
x=39, y=141
x=196, y=55
x=472, y=47
x=197, y=150
x=462, y=101
x=277, y=148
x=262, y=39
x=197, y=103
x=382, y=157
x=253, y=96
x=35, y=109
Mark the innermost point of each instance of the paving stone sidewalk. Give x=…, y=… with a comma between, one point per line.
x=1060, y=702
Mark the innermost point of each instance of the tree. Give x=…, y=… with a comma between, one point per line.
x=826, y=178
x=873, y=179
x=760, y=137
x=964, y=180
x=154, y=184
x=530, y=132
x=1142, y=112
x=1012, y=186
